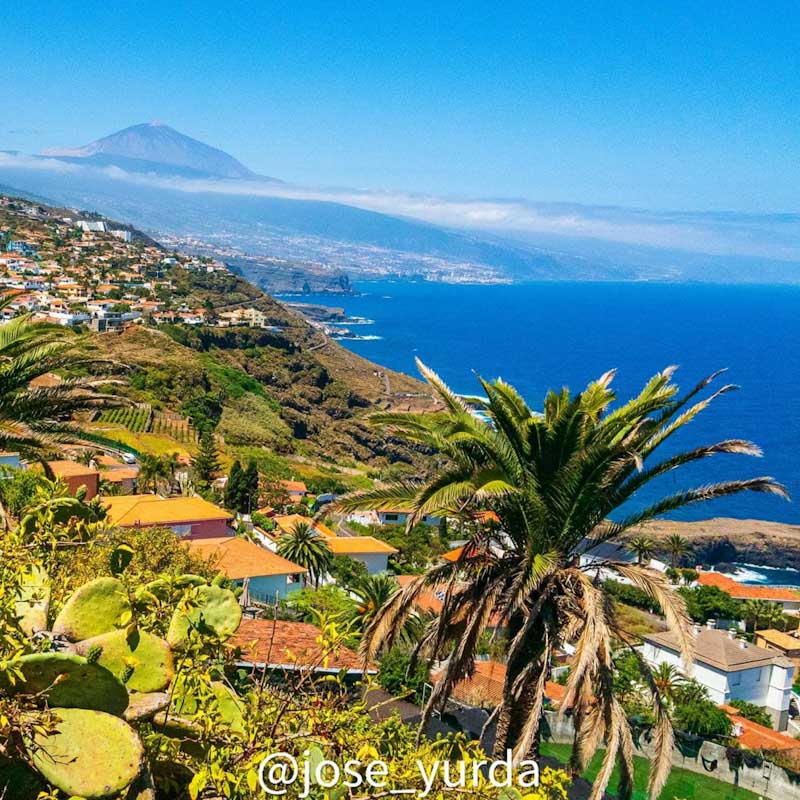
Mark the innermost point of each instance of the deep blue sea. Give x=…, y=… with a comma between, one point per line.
x=538, y=336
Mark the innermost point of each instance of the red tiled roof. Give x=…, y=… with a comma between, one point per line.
x=759, y=737
x=484, y=688
x=741, y=592
x=291, y=645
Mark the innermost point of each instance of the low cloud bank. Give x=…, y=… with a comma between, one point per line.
x=775, y=236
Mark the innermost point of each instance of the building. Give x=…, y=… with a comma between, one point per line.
x=731, y=669
x=789, y=599
x=123, y=476
x=268, y=577
x=23, y=248
x=191, y=517
x=297, y=490
x=9, y=460
x=786, y=644
x=400, y=517
x=75, y=476
x=752, y=736
x=484, y=688
x=285, y=523
x=371, y=552
x=597, y=554
x=291, y=646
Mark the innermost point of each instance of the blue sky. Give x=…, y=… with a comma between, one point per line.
x=694, y=106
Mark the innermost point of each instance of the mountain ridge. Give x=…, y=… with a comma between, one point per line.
x=154, y=143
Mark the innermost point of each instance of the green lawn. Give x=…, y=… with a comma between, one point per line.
x=681, y=783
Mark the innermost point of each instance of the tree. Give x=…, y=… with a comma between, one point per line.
x=35, y=419
x=372, y=593
x=754, y=612
x=250, y=488
x=304, y=546
x=233, y=487
x=401, y=676
x=710, y=602
x=553, y=479
x=702, y=718
x=774, y=617
x=642, y=547
x=205, y=464
x=751, y=711
x=677, y=547
x=152, y=470
x=668, y=680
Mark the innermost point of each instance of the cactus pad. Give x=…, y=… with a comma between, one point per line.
x=90, y=754
x=146, y=705
x=97, y=607
x=74, y=682
x=217, y=613
x=146, y=657
x=33, y=600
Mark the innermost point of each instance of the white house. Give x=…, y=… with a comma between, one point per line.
x=597, y=554
x=393, y=517
x=731, y=669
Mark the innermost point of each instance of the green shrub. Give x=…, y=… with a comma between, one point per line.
x=396, y=675
x=631, y=596
x=751, y=711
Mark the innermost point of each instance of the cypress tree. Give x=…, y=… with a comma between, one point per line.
x=206, y=463
x=233, y=488
x=249, y=495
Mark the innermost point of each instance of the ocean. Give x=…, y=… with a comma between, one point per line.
x=542, y=335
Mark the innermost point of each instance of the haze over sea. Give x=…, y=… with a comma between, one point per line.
x=543, y=335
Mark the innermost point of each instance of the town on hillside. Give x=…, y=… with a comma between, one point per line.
x=287, y=567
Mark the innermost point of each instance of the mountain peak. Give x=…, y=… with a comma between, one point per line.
x=157, y=144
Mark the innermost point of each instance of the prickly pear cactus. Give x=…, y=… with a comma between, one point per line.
x=99, y=606
x=140, y=659
x=90, y=754
x=217, y=612
x=73, y=682
x=33, y=600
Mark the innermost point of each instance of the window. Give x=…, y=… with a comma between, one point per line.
x=758, y=674
x=391, y=517
x=735, y=679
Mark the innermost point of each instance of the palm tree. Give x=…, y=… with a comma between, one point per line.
x=642, y=548
x=304, y=546
x=667, y=680
x=553, y=479
x=677, y=547
x=773, y=616
x=35, y=416
x=372, y=593
x=754, y=611
x=153, y=470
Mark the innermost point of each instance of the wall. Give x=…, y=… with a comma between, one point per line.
x=374, y=562
x=268, y=588
x=708, y=759
x=204, y=529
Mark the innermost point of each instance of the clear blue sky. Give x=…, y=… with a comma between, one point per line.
x=659, y=105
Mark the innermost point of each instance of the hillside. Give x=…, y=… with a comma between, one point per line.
x=197, y=344
x=749, y=541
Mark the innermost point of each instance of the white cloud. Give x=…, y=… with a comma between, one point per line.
x=774, y=237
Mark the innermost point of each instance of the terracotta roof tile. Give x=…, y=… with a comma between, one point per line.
x=740, y=591
x=290, y=645
x=759, y=737
x=237, y=558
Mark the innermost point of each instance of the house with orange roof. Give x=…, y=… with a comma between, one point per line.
x=787, y=644
x=753, y=736
x=297, y=490
x=280, y=645
x=267, y=576
x=371, y=552
x=484, y=688
x=125, y=477
x=190, y=517
x=76, y=476
x=286, y=522
x=788, y=598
